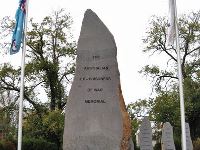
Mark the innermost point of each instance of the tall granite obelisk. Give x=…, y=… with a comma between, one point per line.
x=96, y=118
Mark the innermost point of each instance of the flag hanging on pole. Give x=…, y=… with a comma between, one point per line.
x=171, y=24
x=17, y=37
x=173, y=35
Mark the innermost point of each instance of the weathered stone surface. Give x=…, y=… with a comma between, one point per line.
x=188, y=137
x=95, y=117
x=167, y=137
x=126, y=142
x=145, y=135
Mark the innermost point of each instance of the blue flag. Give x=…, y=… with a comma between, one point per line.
x=19, y=28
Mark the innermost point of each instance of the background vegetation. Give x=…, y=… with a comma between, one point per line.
x=50, y=67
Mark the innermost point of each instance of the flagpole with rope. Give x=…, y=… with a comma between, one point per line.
x=19, y=146
x=180, y=77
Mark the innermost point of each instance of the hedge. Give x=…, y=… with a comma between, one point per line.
x=37, y=144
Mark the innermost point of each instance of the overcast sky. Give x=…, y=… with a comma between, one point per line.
x=126, y=19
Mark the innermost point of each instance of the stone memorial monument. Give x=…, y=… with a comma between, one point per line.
x=167, y=139
x=96, y=117
x=189, y=144
x=145, y=135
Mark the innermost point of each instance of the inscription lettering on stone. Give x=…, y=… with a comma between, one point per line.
x=95, y=68
x=96, y=57
x=103, y=78
x=95, y=101
x=145, y=135
x=167, y=137
x=95, y=89
x=93, y=118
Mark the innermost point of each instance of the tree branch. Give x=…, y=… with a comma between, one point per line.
x=165, y=50
x=12, y=88
x=197, y=48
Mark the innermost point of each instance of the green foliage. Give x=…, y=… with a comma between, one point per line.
x=54, y=126
x=165, y=106
x=136, y=147
x=192, y=105
x=155, y=43
x=48, y=126
x=196, y=144
x=7, y=145
x=52, y=56
x=50, y=66
x=157, y=146
x=134, y=126
x=7, y=124
x=177, y=142
x=50, y=61
x=139, y=109
x=33, y=126
x=54, y=122
x=37, y=144
x=151, y=70
x=1, y=145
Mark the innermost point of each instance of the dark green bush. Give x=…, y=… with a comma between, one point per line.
x=7, y=145
x=1, y=146
x=177, y=143
x=136, y=148
x=157, y=146
x=196, y=144
x=37, y=144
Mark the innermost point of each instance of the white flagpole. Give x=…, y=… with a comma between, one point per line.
x=180, y=77
x=22, y=81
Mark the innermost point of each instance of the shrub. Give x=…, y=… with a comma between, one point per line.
x=7, y=145
x=196, y=144
x=157, y=146
x=1, y=146
x=38, y=144
x=177, y=142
